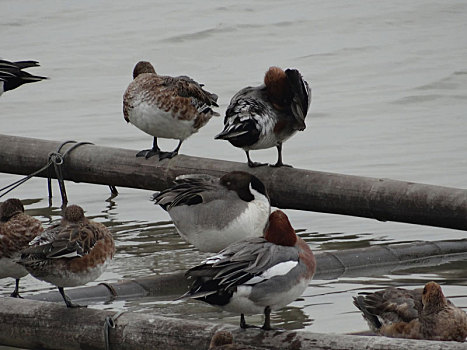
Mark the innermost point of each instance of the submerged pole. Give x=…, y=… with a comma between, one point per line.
x=358, y=262
x=32, y=324
x=289, y=188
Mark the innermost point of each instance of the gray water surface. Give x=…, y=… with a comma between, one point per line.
x=389, y=84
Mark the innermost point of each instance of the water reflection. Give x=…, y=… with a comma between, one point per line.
x=389, y=100
x=151, y=248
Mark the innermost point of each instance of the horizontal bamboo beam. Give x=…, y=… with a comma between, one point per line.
x=289, y=188
x=357, y=262
x=33, y=325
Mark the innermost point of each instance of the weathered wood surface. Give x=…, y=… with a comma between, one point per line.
x=39, y=325
x=289, y=188
x=357, y=262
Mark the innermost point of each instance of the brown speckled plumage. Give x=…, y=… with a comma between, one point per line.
x=223, y=340
x=17, y=229
x=181, y=96
x=70, y=253
x=167, y=107
x=417, y=314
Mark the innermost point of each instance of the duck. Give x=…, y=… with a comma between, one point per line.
x=13, y=76
x=70, y=253
x=224, y=340
x=212, y=212
x=266, y=116
x=166, y=107
x=422, y=313
x=17, y=229
x=256, y=275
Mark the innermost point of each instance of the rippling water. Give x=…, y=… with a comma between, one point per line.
x=389, y=84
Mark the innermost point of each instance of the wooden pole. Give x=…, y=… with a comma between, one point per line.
x=381, y=199
x=33, y=325
x=357, y=262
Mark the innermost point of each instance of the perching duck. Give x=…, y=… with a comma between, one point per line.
x=256, y=275
x=417, y=314
x=265, y=116
x=166, y=107
x=17, y=229
x=71, y=253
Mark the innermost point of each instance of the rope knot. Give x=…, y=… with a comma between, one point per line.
x=56, y=158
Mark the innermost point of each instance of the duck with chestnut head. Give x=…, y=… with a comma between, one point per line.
x=256, y=275
x=422, y=313
x=266, y=116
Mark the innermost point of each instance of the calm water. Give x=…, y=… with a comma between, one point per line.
x=389, y=84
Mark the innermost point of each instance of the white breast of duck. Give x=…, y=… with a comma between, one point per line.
x=160, y=123
x=212, y=213
x=71, y=253
x=167, y=107
x=252, y=274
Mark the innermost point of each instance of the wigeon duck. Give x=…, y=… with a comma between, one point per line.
x=17, y=229
x=267, y=115
x=211, y=212
x=256, y=275
x=417, y=314
x=167, y=107
x=223, y=340
x=12, y=74
x=70, y=253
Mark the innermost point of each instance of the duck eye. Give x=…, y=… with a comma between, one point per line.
x=424, y=290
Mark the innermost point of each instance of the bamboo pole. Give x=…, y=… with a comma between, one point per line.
x=33, y=324
x=357, y=262
x=381, y=199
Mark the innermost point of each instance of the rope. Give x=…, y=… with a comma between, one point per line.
x=108, y=324
x=110, y=288
x=57, y=160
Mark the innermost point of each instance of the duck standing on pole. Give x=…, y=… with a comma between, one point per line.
x=267, y=115
x=166, y=107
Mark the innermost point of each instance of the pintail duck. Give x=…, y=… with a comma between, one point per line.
x=13, y=76
x=422, y=313
x=70, y=253
x=17, y=229
x=211, y=212
x=267, y=115
x=167, y=107
x=256, y=275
